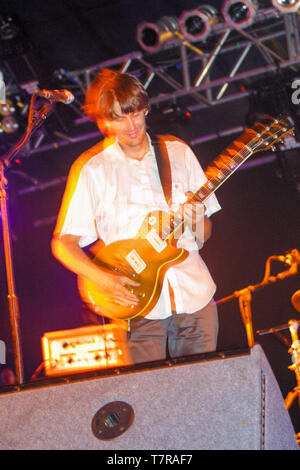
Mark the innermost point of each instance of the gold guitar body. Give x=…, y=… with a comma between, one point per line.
x=145, y=259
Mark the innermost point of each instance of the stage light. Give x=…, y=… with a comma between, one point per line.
x=286, y=6
x=196, y=24
x=150, y=36
x=9, y=125
x=7, y=108
x=239, y=14
x=8, y=30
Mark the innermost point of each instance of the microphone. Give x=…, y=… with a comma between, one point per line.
x=64, y=96
x=293, y=257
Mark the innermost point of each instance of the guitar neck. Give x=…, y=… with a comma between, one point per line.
x=261, y=136
x=220, y=170
x=217, y=173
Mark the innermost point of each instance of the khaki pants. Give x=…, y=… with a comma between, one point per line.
x=177, y=336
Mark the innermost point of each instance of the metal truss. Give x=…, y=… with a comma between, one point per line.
x=195, y=75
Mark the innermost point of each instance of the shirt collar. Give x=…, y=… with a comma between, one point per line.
x=119, y=154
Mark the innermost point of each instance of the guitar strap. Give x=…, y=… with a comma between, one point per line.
x=164, y=169
x=163, y=165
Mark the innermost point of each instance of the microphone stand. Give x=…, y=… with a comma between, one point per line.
x=294, y=350
x=245, y=295
x=35, y=119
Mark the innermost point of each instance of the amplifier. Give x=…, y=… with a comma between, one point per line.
x=82, y=349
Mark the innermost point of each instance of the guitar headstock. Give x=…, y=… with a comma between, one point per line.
x=269, y=131
x=262, y=136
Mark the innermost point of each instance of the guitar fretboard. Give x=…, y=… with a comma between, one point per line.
x=220, y=171
x=217, y=173
x=261, y=137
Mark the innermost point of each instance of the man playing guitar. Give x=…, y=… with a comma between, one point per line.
x=111, y=188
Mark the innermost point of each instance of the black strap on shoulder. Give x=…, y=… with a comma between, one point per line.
x=164, y=166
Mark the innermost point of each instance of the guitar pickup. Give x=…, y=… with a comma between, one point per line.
x=135, y=261
x=154, y=239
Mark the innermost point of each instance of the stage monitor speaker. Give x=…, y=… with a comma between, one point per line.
x=222, y=403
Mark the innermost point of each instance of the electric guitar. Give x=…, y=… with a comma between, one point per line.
x=148, y=256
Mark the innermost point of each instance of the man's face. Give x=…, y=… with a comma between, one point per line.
x=130, y=129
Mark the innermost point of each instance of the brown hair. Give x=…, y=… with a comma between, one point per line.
x=113, y=94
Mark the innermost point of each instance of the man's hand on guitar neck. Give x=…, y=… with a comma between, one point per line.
x=111, y=284
x=194, y=217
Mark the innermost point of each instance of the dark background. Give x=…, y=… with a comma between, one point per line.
x=260, y=204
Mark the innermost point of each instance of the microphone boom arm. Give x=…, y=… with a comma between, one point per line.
x=245, y=295
x=35, y=119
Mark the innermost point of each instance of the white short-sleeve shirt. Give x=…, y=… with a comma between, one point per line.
x=113, y=194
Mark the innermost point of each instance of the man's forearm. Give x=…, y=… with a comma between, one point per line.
x=67, y=250
x=69, y=253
